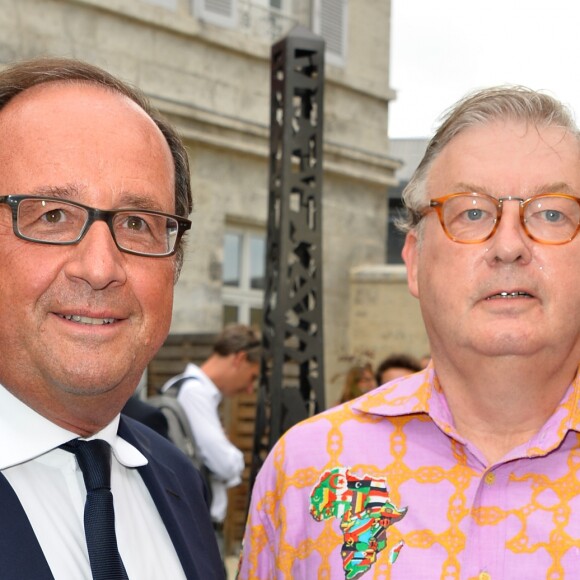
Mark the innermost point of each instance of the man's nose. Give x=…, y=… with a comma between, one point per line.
x=510, y=243
x=96, y=258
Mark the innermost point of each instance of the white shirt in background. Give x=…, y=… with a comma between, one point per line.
x=200, y=399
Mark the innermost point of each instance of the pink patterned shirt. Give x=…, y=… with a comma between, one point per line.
x=384, y=487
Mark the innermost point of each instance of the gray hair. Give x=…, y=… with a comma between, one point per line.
x=481, y=107
x=24, y=75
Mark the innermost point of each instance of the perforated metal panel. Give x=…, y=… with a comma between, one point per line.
x=292, y=377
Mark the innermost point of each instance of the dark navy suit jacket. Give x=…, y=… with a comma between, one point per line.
x=177, y=490
x=147, y=414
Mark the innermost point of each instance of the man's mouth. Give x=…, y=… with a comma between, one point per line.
x=509, y=295
x=87, y=319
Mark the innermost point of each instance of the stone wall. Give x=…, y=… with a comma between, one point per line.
x=383, y=316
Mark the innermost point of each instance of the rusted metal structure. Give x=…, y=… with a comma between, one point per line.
x=292, y=373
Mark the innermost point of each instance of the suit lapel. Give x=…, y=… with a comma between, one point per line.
x=20, y=553
x=183, y=512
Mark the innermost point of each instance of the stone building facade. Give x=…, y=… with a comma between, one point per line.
x=384, y=318
x=205, y=64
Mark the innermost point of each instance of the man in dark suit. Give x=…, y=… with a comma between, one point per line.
x=94, y=198
x=147, y=414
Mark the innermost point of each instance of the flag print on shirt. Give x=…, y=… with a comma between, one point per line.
x=363, y=506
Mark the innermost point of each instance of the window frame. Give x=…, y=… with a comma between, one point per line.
x=244, y=297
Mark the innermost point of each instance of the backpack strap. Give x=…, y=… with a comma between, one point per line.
x=179, y=429
x=180, y=432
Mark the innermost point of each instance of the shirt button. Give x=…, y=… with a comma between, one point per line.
x=490, y=480
x=484, y=576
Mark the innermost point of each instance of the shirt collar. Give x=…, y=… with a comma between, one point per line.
x=409, y=395
x=421, y=393
x=567, y=415
x=193, y=371
x=31, y=435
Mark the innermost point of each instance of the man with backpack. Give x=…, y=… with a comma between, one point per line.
x=232, y=369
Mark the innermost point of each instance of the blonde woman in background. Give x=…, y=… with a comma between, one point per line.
x=360, y=379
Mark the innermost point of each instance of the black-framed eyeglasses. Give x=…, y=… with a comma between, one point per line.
x=49, y=220
x=471, y=218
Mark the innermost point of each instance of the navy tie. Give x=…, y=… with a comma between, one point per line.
x=94, y=459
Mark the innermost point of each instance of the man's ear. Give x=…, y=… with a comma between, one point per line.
x=411, y=258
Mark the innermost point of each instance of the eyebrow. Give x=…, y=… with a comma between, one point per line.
x=68, y=191
x=136, y=201
x=73, y=191
x=556, y=187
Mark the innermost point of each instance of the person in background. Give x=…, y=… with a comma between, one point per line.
x=395, y=366
x=471, y=467
x=232, y=369
x=147, y=414
x=94, y=198
x=359, y=380
x=137, y=408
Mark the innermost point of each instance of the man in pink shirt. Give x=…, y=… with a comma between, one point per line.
x=468, y=469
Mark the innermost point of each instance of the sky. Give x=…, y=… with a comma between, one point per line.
x=442, y=49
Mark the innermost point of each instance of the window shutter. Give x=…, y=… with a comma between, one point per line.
x=330, y=20
x=219, y=12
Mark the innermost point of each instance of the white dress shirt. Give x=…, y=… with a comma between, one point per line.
x=52, y=492
x=200, y=399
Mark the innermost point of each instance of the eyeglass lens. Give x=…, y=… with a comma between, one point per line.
x=550, y=218
x=59, y=222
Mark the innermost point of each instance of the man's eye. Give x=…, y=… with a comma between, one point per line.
x=551, y=215
x=136, y=223
x=54, y=216
x=474, y=214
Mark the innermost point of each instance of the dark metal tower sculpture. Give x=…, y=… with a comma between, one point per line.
x=292, y=373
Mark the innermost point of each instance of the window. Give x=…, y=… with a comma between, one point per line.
x=395, y=238
x=219, y=12
x=244, y=275
x=329, y=20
